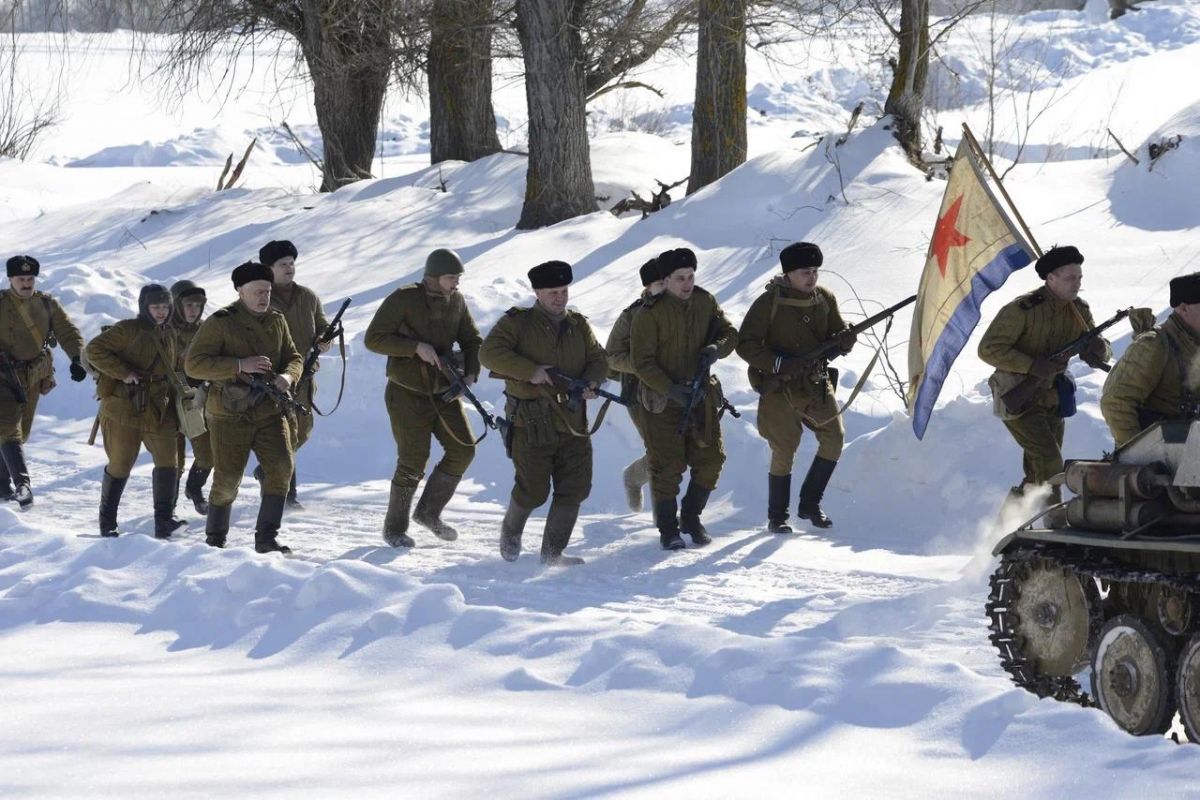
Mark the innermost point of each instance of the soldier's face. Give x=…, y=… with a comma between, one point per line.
x=553, y=300
x=1190, y=314
x=256, y=296
x=448, y=284
x=22, y=285
x=657, y=287
x=192, y=309
x=681, y=282
x=1065, y=282
x=159, y=312
x=804, y=280
x=284, y=271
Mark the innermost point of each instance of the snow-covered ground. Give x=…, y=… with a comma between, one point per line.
x=828, y=663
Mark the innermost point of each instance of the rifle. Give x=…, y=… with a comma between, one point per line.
x=831, y=349
x=458, y=387
x=266, y=387
x=333, y=330
x=8, y=374
x=1018, y=399
x=698, y=386
x=575, y=387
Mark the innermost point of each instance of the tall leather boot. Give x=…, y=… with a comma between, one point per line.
x=813, y=489
x=6, y=487
x=165, y=481
x=635, y=477
x=13, y=454
x=293, y=502
x=560, y=522
x=668, y=525
x=511, y=530
x=395, y=523
x=266, y=528
x=111, y=490
x=439, y=488
x=779, y=493
x=216, y=527
x=194, y=488
x=693, y=503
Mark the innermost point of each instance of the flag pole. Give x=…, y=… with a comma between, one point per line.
x=974, y=145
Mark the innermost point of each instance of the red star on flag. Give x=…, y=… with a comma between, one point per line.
x=946, y=235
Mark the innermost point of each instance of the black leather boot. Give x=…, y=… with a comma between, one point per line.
x=779, y=493
x=13, y=454
x=439, y=488
x=668, y=525
x=6, y=487
x=690, y=509
x=560, y=522
x=395, y=523
x=511, y=530
x=164, y=481
x=194, y=488
x=216, y=527
x=266, y=529
x=111, y=490
x=813, y=489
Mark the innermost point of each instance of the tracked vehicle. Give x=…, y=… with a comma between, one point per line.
x=1110, y=579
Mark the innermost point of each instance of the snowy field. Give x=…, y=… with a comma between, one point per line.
x=836, y=663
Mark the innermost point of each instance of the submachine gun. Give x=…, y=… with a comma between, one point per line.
x=333, y=330
x=264, y=386
x=832, y=348
x=699, y=385
x=458, y=387
x=1018, y=399
x=9, y=378
x=575, y=387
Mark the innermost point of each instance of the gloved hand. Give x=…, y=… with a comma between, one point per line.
x=1094, y=353
x=1045, y=368
x=708, y=356
x=679, y=393
x=78, y=373
x=846, y=340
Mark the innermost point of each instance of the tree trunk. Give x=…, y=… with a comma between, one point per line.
x=349, y=60
x=906, y=100
x=558, y=182
x=462, y=124
x=719, y=113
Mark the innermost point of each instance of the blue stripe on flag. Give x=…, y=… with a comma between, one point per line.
x=958, y=329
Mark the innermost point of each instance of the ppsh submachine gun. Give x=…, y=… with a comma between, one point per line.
x=575, y=387
x=264, y=386
x=333, y=330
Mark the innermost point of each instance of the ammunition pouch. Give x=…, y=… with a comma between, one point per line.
x=38, y=373
x=1000, y=383
x=1064, y=385
x=239, y=398
x=139, y=396
x=189, y=408
x=535, y=417
x=652, y=401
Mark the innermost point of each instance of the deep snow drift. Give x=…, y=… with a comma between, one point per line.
x=844, y=662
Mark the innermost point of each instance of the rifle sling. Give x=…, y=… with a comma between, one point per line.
x=437, y=411
x=566, y=421
x=861, y=381
x=39, y=340
x=341, y=386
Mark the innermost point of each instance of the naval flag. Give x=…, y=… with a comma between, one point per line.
x=974, y=248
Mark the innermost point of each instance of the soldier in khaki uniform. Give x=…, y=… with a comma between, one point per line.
x=792, y=317
x=1158, y=376
x=637, y=474
x=30, y=323
x=186, y=313
x=248, y=337
x=306, y=321
x=674, y=335
x=414, y=326
x=549, y=443
x=1019, y=342
x=134, y=360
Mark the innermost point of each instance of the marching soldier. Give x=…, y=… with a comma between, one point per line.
x=189, y=300
x=249, y=338
x=637, y=474
x=792, y=317
x=30, y=324
x=415, y=326
x=134, y=360
x=1157, y=377
x=306, y=321
x=549, y=443
x=1019, y=342
x=676, y=336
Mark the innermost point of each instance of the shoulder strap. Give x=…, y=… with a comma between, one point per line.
x=39, y=340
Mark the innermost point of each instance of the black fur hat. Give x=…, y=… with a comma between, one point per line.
x=1057, y=257
x=649, y=272
x=1185, y=289
x=550, y=274
x=271, y=252
x=800, y=255
x=23, y=265
x=251, y=271
x=679, y=258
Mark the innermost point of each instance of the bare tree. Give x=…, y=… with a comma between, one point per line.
x=558, y=182
x=462, y=122
x=719, y=112
x=910, y=71
x=352, y=50
x=621, y=35
x=25, y=113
